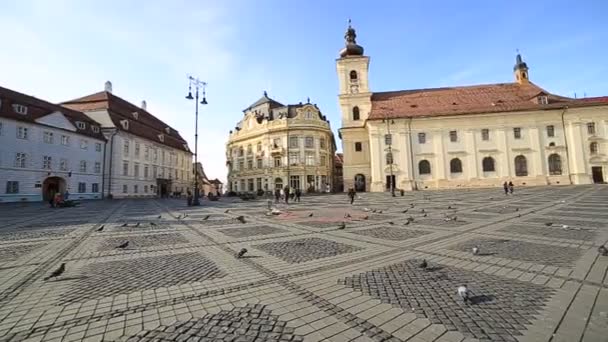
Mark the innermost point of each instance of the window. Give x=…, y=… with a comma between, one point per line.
x=308, y=115
x=293, y=142
x=485, y=134
x=323, y=161
x=593, y=148
x=550, y=131
x=591, y=128
x=259, y=147
x=358, y=147
x=259, y=163
x=310, y=158
x=136, y=170
x=517, y=132
x=80, y=125
x=21, y=132
x=552, y=144
x=154, y=171
x=241, y=165
x=555, y=164
x=455, y=166
x=83, y=166
x=422, y=138
x=250, y=184
x=20, y=160
x=48, y=137
x=294, y=182
x=97, y=167
x=322, y=143
x=82, y=188
x=276, y=143
x=294, y=158
x=388, y=139
x=277, y=162
x=12, y=187
x=97, y=147
x=124, y=189
x=353, y=75
x=146, y=170
x=241, y=151
x=95, y=129
x=424, y=167
x=453, y=136
x=249, y=150
x=65, y=140
x=95, y=187
x=145, y=189
x=155, y=155
x=125, y=168
x=63, y=164
x=46, y=162
x=20, y=109
x=125, y=147
x=543, y=100
x=488, y=164
x=84, y=144
x=521, y=166
x=355, y=113
x=135, y=189
x=258, y=183
x=137, y=150
x=309, y=142
x=249, y=164
x=146, y=152
x=389, y=158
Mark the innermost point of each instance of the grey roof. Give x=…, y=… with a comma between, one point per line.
x=265, y=99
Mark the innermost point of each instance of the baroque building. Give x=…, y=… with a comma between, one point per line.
x=466, y=136
x=276, y=145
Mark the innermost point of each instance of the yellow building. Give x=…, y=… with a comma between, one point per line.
x=468, y=136
x=276, y=145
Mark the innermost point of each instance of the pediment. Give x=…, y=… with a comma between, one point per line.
x=57, y=119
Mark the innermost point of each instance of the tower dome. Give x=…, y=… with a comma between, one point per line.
x=351, y=48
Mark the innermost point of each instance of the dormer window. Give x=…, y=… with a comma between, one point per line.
x=168, y=130
x=186, y=147
x=542, y=99
x=20, y=109
x=95, y=129
x=80, y=125
x=135, y=115
x=161, y=137
x=125, y=124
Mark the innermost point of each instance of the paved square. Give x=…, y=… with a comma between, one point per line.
x=305, y=279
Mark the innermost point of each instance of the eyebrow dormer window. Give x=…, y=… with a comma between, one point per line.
x=161, y=137
x=543, y=100
x=135, y=115
x=168, y=130
x=20, y=109
x=80, y=125
x=95, y=129
x=125, y=124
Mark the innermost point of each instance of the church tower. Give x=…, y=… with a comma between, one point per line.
x=520, y=70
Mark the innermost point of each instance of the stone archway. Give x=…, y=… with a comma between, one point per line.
x=52, y=185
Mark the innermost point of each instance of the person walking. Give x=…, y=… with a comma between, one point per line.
x=286, y=194
x=511, y=186
x=351, y=195
x=189, y=198
x=277, y=195
x=505, y=186
x=298, y=194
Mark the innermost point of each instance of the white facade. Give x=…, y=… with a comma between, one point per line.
x=34, y=157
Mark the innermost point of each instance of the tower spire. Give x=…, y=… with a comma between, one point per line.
x=520, y=69
x=351, y=48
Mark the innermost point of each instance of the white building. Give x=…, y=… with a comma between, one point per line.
x=45, y=148
x=145, y=156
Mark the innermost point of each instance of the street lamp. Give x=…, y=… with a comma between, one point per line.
x=198, y=84
x=389, y=142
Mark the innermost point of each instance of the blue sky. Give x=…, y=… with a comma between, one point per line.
x=62, y=49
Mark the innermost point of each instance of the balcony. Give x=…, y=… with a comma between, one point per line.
x=277, y=150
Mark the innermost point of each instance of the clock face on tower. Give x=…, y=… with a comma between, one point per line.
x=354, y=89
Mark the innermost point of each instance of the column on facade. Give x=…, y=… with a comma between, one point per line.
x=577, y=144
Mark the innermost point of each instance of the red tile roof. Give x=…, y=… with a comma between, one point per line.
x=37, y=108
x=146, y=125
x=489, y=98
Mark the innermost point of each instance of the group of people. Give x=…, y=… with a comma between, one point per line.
x=58, y=199
x=508, y=187
x=285, y=194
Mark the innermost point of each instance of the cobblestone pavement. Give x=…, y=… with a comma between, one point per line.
x=538, y=277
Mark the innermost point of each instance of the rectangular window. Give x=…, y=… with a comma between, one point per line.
x=137, y=150
x=82, y=188
x=146, y=171
x=48, y=137
x=83, y=166
x=453, y=136
x=358, y=147
x=136, y=170
x=485, y=134
x=517, y=132
x=259, y=147
x=277, y=162
x=310, y=158
x=293, y=142
x=550, y=131
x=259, y=163
x=125, y=189
x=84, y=144
x=12, y=187
x=241, y=165
x=309, y=142
x=125, y=148
x=95, y=187
x=135, y=189
x=20, y=159
x=65, y=140
x=97, y=147
x=323, y=160
x=294, y=158
x=258, y=183
x=145, y=189
x=63, y=164
x=97, y=167
x=388, y=139
x=294, y=182
x=146, y=152
x=20, y=109
x=21, y=132
x=276, y=143
x=591, y=128
x=250, y=184
x=46, y=162
x=422, y=138
x=154, y=171
x=155, y=155
x=322, y=143
x=249, y=164
x=125, y=168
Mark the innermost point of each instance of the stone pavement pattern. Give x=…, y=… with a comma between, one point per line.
x=538, y=276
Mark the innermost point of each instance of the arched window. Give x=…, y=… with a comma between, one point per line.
x=424, y=167
x=455, y=166
x=521, y=166
x=593, y=148
x=278, y=183
x=355, y=113
x=488, y=164
x=389, y=158
x=353, y=75
x=555, y=164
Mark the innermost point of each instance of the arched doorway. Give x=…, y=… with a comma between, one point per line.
x=278, y=183
x=52, y=185
x=359, y=182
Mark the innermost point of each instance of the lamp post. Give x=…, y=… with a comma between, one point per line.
x=198, y=84
x=389, y=142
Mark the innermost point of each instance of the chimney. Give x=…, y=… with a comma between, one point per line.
x=144, y=105
x=108, y=86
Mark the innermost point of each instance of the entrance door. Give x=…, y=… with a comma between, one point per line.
x=52, y=185
x=598, y=175
x=359, y=183
x=389, y=181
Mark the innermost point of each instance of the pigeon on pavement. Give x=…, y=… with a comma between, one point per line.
x=424, y=264
x=407, y=222
x=347, y=215
x=365, y=217
x=463, y=292
x=342, y=225
x=124, y=224
x=603, y=250
x=475, y=250
x=100, y=229
x=57, y=272
x=152, y=224
x=310, y=215
x=123, y=245
x=227, y=211
x=159, y=217
x=391, y=223
x=206, y=217
x=405, y=211
x=137, y=224
x=241, y=253
x=241, y=219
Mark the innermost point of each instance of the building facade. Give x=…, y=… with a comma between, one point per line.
x=145, y=157
x=46, y=148
x=276, y=145
x=468, y=136
x=207, y=186
x=338, y=173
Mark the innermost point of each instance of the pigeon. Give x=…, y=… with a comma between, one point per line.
x=366, y=209
x=475, y=250
x=342, y=226
x=185, y=215
x=241, y=253
x=405, y=211
x=124, y=224
x=411, y=205
x=226, y=211
x=518, y=215
x=159, y=217
x=463, y=292
x=365, y=217
x=379, y=211
x=152, y=224
x=310, y=215
x=57, y=272
x=137, y=224
x=206, y=218
x=410, y=219
x=241, y=219
x=347, y=215
x=373, y=211
x=449, y=207
x=123, y=245
x=100, y=229
x=565, y=226
x=424, y=264
x=391, y=223
x=548, y=224
x=603, y=250
x=422, y=210
x=455, y=218
x=516, y=209
x=407, y=222
x=425, y=215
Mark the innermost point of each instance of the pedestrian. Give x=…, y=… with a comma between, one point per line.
x=298, y=194
x=351, y=195
x=189, y=198
x=52, y=199
x=286, y=194
x=327, y=188
x=66, y=195
x=511, y=186
x=277, y=195
x=505, y=186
